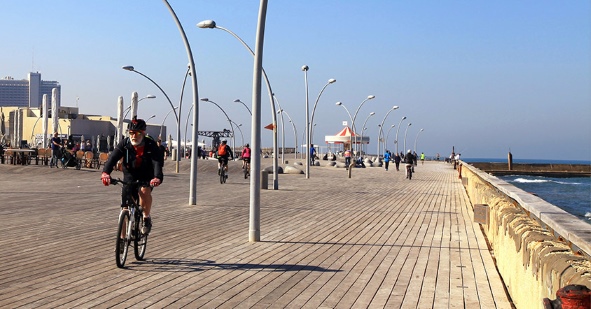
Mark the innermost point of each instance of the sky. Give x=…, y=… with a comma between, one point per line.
x=483, y=77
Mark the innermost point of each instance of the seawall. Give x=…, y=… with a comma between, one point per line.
x=550, y=170
x=538, y=247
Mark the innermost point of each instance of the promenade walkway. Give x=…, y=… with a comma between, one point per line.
x=375, y=240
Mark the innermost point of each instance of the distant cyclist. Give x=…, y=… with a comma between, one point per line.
x=142, y=161
x=245, y=156
x=409, y=159
x=224, y=152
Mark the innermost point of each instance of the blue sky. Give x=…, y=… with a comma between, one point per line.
x=483, y=76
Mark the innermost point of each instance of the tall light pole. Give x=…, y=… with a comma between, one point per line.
x=369, y=97
x=295, y=132
x=153, y=116
x=406, y=131
x=387, y=135
x=330, y=81
x=163, y=120
x=282, y=130
x=381, y=131
x=186, y=126
x=248, y=109
x=212, y=25
x=397, y=129
x=227, y=117
x=416, y=138
x=363, y=127
x=350, y=118
x=178, y=119
x=305, y=68
x=193, y=178
x=238, y=125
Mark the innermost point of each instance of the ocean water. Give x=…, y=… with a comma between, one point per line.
x=573, y=195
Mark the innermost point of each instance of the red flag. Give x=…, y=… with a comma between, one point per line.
x=270, y=127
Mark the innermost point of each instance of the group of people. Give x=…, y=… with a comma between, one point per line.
x=59, y=148
x=410, y=157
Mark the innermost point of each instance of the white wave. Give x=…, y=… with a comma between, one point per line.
x=588, y=215
x=523, y=180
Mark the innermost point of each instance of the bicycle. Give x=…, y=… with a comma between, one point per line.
x=246, y=169
x=131, y=219
x=409, y=171
x=223, y=175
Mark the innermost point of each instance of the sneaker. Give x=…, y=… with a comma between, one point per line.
x=147, y=225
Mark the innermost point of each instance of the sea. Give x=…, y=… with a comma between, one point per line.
x=571, y=194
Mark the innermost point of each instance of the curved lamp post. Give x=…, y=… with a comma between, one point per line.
x=305, y=68
x=178, y=119
x=406, y=131
x=238, y=125
x=162, y=125
x=416, y=138
x=369, y=97
x=212, y=25
x=363, y=128
x=350, y=118
x=398, y=129
x=387, y=135
x=295, y=132
x=248, y=109
x=153, y=116
x=330, y=81
x=150, y=96
x=227, y=117
x=381, y=131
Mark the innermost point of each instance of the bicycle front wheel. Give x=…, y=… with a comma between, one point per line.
x=141, y=240
x=121, y=245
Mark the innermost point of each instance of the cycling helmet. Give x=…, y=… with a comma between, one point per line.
x=246, y=145
x=408, y=151
x=137, y=125
x=224, y=140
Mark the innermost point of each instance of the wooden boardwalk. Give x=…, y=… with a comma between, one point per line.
x=373, y=241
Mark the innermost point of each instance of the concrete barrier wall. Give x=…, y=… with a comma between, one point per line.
x=538, y=247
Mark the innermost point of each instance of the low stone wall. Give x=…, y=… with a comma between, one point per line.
x=538, y=247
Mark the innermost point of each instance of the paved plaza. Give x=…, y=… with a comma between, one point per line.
x=375, y=240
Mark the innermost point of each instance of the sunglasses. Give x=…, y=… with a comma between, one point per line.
x=135, y=132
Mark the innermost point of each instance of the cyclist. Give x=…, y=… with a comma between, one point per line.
x=409, y=159
x=142, y=161
x=245, y=156
x=223, y=153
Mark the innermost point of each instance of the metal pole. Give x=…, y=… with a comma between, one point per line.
x=330, y=81
x=295, y=133
x=305, y=68
x=369, y=97
x=406, y=131
x=416, y=138
x=254, y=229
x=397, y=129
x=387, y=135
x=381, y=132
x=193, y=180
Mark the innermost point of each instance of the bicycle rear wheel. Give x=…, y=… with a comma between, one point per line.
x=122, y=244
x=222, y=176
x=140, y=241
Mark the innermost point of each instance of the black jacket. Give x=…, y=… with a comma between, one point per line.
x=150, y=167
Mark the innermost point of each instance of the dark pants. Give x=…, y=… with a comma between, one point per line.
x=387, y=163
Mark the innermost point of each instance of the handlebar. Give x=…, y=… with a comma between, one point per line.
x=115, y=181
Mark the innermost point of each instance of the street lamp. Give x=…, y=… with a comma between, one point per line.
x=397, y=129
x=381, y=131
x=330, y=81
x=178, y=119
x=387, y=135
x=238, y=125
x=406, y=131
x=248, y=109
x=295, y=132
x=350, y=118
x=210, y=24
x=305, y=68
x=369, y=97
x=150, y=118
x=150, y=96
x=228, y=118
x=363, y=127
x=416, y=138
x=162, y=125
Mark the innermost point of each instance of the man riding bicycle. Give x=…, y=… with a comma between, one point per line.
x=245, y=156
x=142, y=161
x=223, y=153
x=409, y=159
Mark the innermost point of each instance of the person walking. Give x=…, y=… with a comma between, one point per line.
x=397, y=161
x=347, y=158
x=387, y=159
x=422, y=158
x=312, y=154
x=56, y=145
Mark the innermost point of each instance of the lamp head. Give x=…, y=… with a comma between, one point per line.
x=409, y=124
x=128, y=68
x=372, y=113
x=207, y=24
x=339, y=103
x=150, y=96
x=204, y=99
x=395, y=107
x=403, y=117
x=369, y=97
x=305, y=68
x=332, y=80
x=237, y=101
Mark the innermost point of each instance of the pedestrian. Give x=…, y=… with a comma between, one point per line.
x=347, y=158
x=312, y=153
x=88, y=146
x=70, y=143
x=387, y=159
x=162, y=150
x=422, y=158
x=56, y=145
x=397, y=161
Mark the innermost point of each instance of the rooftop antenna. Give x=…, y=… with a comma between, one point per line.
x=33, y=61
